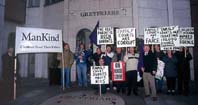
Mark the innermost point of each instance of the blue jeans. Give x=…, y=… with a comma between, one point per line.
x=67, y=77
x=82, y=74
x=159, y=84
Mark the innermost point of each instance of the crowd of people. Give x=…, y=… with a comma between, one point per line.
x=176, y=69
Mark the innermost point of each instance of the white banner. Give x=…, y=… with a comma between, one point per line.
x=186, y=37
x=151, y=36
x=125, y=37
x=33, y=40
x=99, y=75
x=105, y=35
x=169, y=37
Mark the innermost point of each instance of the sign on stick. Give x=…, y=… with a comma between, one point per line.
x=151, y=36
x=99, y=75
x=105, y=35
x=32, y=40
x=125, y=37
x=118, y=71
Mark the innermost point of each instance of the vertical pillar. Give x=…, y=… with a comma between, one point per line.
x=41, y=65
x=2, y=5
x=135, y=16
x=170, y=13
x=23, y=65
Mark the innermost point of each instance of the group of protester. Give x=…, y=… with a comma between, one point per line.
x=176, y=68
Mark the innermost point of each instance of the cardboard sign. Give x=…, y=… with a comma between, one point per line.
x=151, y=36
x=33, y=40
x=125, y=37
x=99, y=75
x=118, y=71
x=105, y=35
x=186, y=37
x=160, y=69
x=169, y=37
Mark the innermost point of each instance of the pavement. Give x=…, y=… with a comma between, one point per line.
x=37, y=91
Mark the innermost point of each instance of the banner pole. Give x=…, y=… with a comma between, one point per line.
x=63, y=73
x=15, y=78
x=185, y=51
x=100, y=89
x=126, y=51
x=152, y=48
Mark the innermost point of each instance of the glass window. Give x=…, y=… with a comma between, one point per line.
x=49, y=2
x=34, y=3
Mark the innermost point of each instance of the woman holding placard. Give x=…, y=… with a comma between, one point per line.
x=131, y=60
x=81, y=63
x=107, y=61
x=170, y=71
x=119, y=56
x=159, y=81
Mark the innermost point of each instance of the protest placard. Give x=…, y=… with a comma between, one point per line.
x=151, y=36
x=99, y=75
x=125, y=37
x=160, y=70
x=186, y=37
x=169, y=37
x=118, y=71
x=105, y=35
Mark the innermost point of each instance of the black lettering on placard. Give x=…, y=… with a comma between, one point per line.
x=155, y=40
x=118, y=77
x=117, y=70
x=117, y=65
x=42, y=37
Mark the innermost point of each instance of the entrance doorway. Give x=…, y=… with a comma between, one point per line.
x=83, y=37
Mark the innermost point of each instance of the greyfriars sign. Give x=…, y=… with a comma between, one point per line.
x=103, y=13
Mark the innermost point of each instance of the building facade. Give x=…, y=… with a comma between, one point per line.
x=77, y=18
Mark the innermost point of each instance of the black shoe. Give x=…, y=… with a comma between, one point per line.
x=118, y=91
x=128, y=94
x=159, y=91
x=135, y=93
x=169, y=92
x=172, y=92
x=123, y=91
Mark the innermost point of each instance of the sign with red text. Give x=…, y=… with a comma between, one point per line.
x=118, y=71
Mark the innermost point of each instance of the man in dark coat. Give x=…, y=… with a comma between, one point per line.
x=183, y=65
x=149, y=70
x=8, y=75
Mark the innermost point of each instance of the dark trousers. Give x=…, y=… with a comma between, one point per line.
x=183, y=86
x=120, y=87
x=131, y=81
x=171, y=83
x=103, y=88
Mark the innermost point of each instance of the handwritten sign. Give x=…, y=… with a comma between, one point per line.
x=169, y=36
x=186, y=37
x=105, y=35
x=118, y=71
x=125, y=37
x=151, y=36
x=99, y=75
